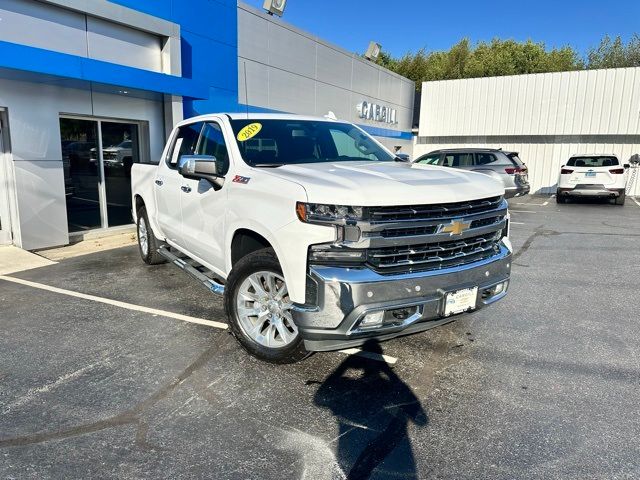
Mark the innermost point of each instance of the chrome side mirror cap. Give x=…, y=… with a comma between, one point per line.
x=197, y=167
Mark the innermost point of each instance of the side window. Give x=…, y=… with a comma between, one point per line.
x=430, y=159
x=185, y=143
x=485, y=158
x=462, y=160
x=458, y=160
x=212, y=143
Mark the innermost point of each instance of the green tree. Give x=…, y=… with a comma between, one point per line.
x=498, y=57
x=614, y=53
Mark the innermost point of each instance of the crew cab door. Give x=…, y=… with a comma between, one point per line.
x=168, y=182
x=204, y=204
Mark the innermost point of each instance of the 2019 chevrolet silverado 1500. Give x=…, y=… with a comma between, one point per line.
x=317, y=238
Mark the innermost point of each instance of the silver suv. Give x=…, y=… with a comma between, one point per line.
x=504, y=166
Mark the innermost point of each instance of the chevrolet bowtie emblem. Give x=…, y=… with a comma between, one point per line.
x=456, y=227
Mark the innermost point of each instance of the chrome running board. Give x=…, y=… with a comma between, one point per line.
x=211, y=284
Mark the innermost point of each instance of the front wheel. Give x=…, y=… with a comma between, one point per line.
x=259, y=309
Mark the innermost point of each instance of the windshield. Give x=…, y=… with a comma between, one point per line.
x=595, y=161
x=288, y=142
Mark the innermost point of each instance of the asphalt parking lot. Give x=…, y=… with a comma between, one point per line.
x=545, y=384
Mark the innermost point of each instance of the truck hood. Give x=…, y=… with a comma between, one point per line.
x=387, y=183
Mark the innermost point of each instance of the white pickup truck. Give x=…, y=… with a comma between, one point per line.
x=318, y=238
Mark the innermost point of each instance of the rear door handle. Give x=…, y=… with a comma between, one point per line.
x=185, y=189
x=159, y=182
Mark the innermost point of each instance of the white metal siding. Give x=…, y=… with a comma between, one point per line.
x=546, y=117
x=593, y=102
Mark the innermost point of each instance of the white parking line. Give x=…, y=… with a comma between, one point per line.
x=517, y=223
x=637, y=202
x=116, y=303
x=547, y=202
x=521, y=211
x=164, y=313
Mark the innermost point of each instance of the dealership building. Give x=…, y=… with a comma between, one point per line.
x=546, y=117
x=89, y=87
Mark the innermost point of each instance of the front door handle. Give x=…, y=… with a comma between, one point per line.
x=159, y=182
x=185, y=189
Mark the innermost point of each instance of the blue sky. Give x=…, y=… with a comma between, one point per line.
x=402, y=25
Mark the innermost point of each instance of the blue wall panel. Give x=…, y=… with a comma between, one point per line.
x=46, y=62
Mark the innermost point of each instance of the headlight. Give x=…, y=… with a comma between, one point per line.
x=332, y=255
x=321, y=213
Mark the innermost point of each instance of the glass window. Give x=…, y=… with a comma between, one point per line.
x=281, y=142
x=120, y=150
x=515, y=159
x=79, y=140
x=595, y=161
x=485, y=158
x=346, y=145
x=185, y=143
x=458, y=160
x=97, y=176
x=212, y=143
x=433, y=159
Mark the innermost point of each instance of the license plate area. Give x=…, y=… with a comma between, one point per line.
x=590, y=174
x=459, y=301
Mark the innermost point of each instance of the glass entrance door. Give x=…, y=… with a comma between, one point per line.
x=97, y=157
x=120, y=150
x=81, y=167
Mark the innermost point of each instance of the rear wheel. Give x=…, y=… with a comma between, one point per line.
x=560, y=199
x=620, y=199
x=259, y=309
x=147, y=242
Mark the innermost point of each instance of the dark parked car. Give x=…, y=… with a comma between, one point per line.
x=504, y=166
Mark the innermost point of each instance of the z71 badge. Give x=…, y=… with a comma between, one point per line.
x=239, y=179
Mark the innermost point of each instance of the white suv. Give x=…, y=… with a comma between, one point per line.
x=592, y=175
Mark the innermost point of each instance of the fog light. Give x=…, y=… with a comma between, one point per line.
x=501, y=287
x=372, y=320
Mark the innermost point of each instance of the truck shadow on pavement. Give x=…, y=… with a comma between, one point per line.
x=373, y=407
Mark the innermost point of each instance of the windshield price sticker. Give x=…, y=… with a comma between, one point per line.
x=249, y=131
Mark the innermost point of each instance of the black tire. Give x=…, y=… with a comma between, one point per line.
x=560, y=199
x=151, y=256
x=261, y=260
x=620, y=200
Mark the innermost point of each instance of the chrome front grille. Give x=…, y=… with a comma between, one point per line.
x=430, y=212
x=433, y=256
x=402, y=239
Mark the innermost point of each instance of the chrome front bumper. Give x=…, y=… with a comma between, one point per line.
x=341, y=297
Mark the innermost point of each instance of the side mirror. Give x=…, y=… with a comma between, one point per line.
x=626, y=165
x=197, y=167
x=562, y=166
x=403, y=157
